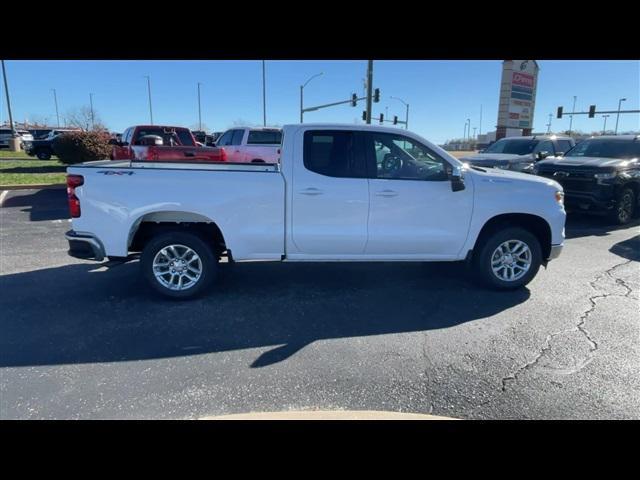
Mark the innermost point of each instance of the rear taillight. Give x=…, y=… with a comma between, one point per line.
x=223, y=155
x=74, y=181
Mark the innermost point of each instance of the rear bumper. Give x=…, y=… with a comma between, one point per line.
x=84, y=246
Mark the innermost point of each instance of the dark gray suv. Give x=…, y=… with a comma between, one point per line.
x=520, y=153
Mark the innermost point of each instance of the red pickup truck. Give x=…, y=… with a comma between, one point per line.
x=158, y=143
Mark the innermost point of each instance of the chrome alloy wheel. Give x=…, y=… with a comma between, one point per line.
x=625, y=208
x=511, y=260
x=177, y=267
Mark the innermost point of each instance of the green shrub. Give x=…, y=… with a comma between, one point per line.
x=77, y=147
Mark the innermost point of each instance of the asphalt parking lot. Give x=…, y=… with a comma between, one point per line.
x=83, y=340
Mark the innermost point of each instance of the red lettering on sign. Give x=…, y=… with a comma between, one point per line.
x=523, y=79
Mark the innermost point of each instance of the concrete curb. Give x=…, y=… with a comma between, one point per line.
x=328, y=415
x=35, y=186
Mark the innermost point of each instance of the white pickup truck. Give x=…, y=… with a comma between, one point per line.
x=339, y=193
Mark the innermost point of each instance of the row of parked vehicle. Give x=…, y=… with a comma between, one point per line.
x=598, y=175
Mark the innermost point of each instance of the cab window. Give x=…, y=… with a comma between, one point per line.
x=402, y=158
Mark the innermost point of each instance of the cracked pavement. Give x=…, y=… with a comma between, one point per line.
x=81, y=340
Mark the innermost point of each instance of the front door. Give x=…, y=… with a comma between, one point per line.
x=330, y=202
x=413, y=210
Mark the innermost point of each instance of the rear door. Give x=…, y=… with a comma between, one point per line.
x=330, y=195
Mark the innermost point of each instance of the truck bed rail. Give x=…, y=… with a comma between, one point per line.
x=182, y=165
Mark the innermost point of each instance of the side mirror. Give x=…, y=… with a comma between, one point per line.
x=542, y=155
x=457, y=179
x=113, y=141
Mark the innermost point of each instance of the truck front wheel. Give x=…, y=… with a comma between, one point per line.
x=43, y=154
x=624, y=208
x=507, y=259
x=179, y=265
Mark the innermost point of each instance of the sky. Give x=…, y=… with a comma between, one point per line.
x=441, y=94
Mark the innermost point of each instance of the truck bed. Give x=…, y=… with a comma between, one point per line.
x=245, y=201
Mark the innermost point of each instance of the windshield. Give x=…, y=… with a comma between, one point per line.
x=606, y=148
x=516, y=147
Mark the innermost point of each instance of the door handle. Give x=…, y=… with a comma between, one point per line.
x=310, y=191
x=386, y=193
x=189, y=154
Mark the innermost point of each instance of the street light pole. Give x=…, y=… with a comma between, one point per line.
x=406, y=119
x=55, y=100
x=618, y=116
x=149, y=90
x=93, y=124
x=549, y=124
x=302, y=88
x=6, y=90
x=199, y=110
x=480, y=129
x=604, y=128
x=573, y=110
x=469, y=128
x=264, y=96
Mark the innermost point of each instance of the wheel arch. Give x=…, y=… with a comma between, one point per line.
x=535, y=224
x=153, y=223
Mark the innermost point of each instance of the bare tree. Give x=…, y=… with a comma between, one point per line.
x=84, y=119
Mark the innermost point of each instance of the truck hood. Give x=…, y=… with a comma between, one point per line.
x=489, y=159
x=508, y=176
x=589, y=162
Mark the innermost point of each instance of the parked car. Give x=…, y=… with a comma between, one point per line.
x=520, y=153
x=5, y=135
x=340, y=193
x=251, y=145
x=599, y=175
x=44, y=148
x=213, y=138
x=162, y=143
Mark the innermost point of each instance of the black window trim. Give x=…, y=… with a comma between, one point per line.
x=356, y=144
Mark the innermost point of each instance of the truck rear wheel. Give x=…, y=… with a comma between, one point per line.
x=508, y=259
x=179, y=265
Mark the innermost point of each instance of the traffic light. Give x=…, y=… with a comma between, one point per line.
x=381, y=118
x=376, y=95
x=592, y=111
x=559, y=112
x=354, y=100
x=364, y=115
x=395, y=119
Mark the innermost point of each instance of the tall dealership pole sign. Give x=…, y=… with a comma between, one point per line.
x=517, y=97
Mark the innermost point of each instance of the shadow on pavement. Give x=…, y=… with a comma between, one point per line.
x=83, y=314
x=629, y=249
x=584, y=225
x=45, y=204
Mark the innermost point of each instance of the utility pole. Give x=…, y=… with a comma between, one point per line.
x=618, y=116
x=604, y=128
x=480, y=129
x=14, y=143
x=474, y=132
x=149, y=90
x=93, y=123
x=573, y=110
x=264, y=96
x=369, y=89
x=55, y=100
x=199, y=111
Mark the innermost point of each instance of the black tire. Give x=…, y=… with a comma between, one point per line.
x=625, y=207
x=209, y=263
x=484, y=251
x=43, y=155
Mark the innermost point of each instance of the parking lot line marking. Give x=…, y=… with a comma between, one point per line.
x=3, y=195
